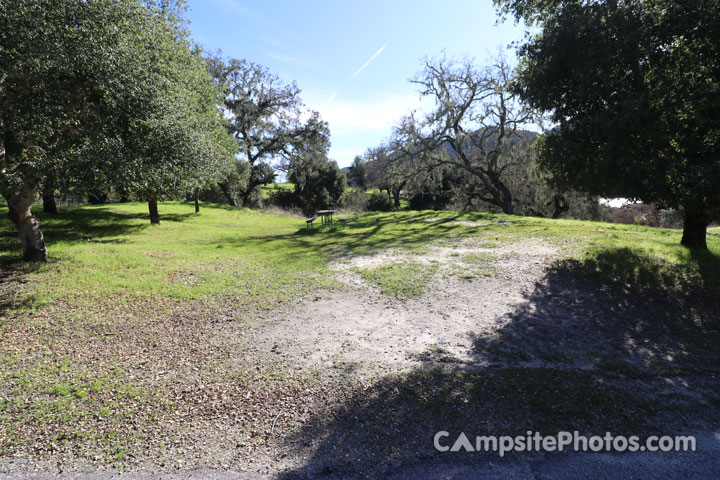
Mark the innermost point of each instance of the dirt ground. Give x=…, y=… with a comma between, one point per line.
x=354, y=382
x=362, y=331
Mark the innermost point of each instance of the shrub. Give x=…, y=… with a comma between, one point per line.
x=428, y=201
x=379, y=202
x=356, y=201
x=283, y=198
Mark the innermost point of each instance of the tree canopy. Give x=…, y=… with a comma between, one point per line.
x=474, y=125
x=318, y=182
x=266, y=119
x=357, y=173
x=102, y=91
x=633, y=87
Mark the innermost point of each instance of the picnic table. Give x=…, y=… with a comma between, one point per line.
x=326, y=217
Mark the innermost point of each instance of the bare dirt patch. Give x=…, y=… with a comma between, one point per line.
x=360, y=330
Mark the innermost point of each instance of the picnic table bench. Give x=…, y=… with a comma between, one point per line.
x=309, y=221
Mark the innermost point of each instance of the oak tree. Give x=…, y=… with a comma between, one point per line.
x=101, y=91
x=475, y=122
x=633, y=87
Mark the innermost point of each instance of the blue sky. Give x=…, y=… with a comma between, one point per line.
x=352, y=60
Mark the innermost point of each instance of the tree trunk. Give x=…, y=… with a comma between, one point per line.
x=396, y=197
x=197, y=201
x=506, y=203
x=248, y=193
x=561, y=206
x=49, y=205
x=226, y=191
x=152, y=206
x=98, y=198
x=20, y=212
x=695, y=229
x=501, y=194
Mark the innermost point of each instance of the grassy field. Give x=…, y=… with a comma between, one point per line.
x=98, y=347
x=261, y=258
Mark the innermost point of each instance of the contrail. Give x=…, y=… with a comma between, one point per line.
x=364, y=65
x=330, y=99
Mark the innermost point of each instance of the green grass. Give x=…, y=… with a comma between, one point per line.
x=114, y=281
x=402, y=279
x=100, y=252
x=267, y=190
x=98, y=407
x=474, y=265
x=260, y=258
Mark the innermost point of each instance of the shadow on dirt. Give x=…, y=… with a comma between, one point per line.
x=578, y=354
x=620, y=311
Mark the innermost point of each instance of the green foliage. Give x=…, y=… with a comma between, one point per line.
x=356, y=200
x=113, y=95
x=357, y=173
x=633, y=97
x=379, y=202
x=319, y=183
x=385, y=172
x=266, y=120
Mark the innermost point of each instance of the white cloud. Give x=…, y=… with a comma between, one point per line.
x=358, y=124
x=344, y=157
x=379, y=115
x=287, y=59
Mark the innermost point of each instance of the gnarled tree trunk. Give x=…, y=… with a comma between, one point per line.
x=152, y=206
x=507, y=206
x=20, y=212
x=695, y=228
x=20, y=207
x=501, y=193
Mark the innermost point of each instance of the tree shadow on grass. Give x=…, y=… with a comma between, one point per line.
x=597, y=345
x=96, y=224
x=367, y=234
x=71, y=225
x=708, y=266
x=619, y=309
